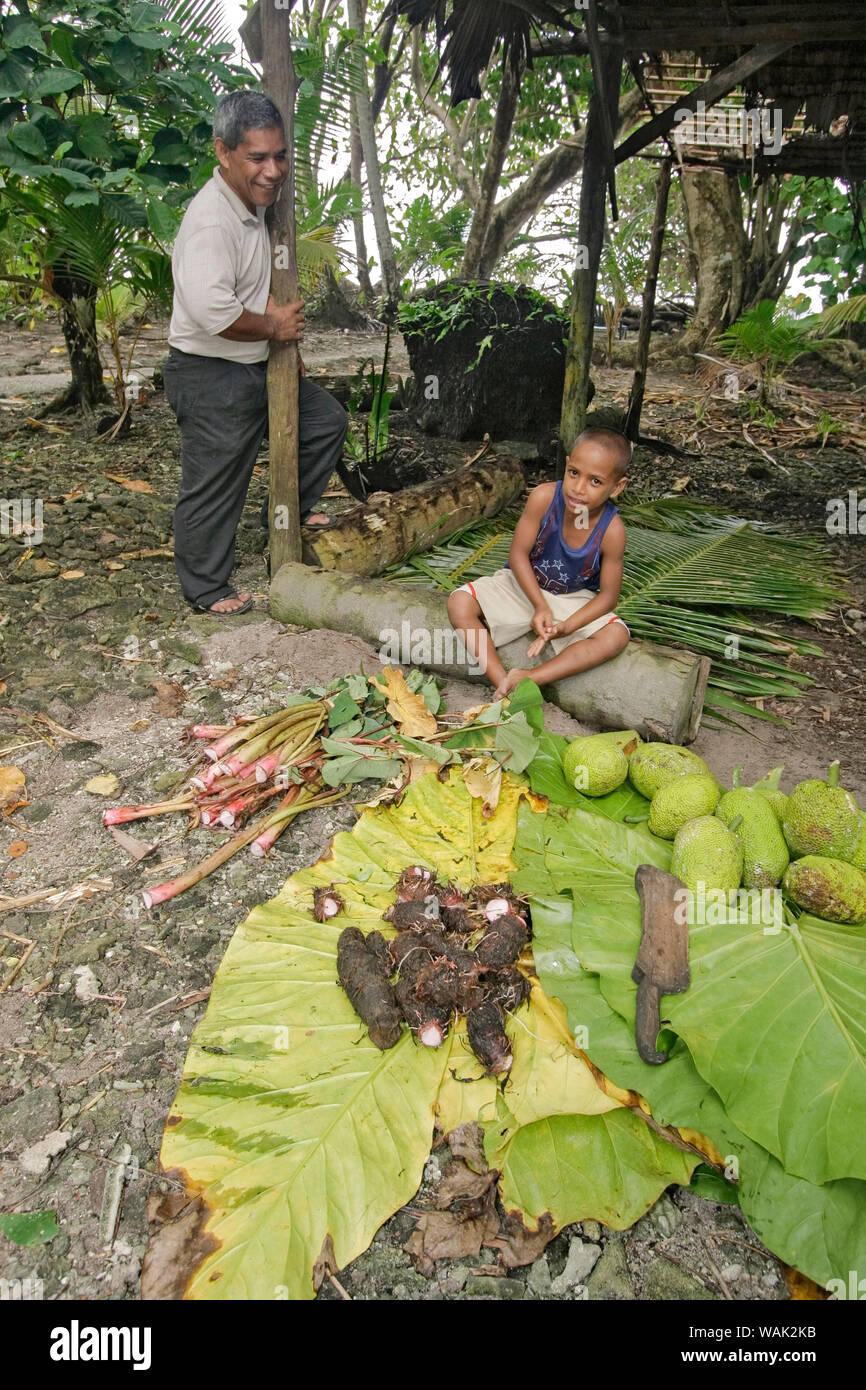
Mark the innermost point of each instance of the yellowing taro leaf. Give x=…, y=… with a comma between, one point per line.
x=290, y=1124
x=408, y=711
x=102, y=786
x=483, y=778
x=11, y=785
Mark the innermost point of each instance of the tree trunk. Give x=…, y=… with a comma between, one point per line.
x=367, y=133
x=356, y=173
x=714, y=220
x=493, y=166
x=657, y=690
x=369, y=538
x=635, y=404
x=284, y=517
x=86, y=391
x=590, y=234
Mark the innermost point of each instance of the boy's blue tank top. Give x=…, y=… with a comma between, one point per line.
x=558, y=567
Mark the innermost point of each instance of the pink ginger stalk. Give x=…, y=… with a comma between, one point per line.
x=164, y=891
x=203, y=780
x=279, y=819
x=244, y=805
x=121, y=815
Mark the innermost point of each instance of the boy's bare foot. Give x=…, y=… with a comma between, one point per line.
x=317, y=519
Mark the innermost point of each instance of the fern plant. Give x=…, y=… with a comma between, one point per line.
x=770, y=339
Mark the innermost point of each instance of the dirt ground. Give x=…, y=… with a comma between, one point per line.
x=101, y=997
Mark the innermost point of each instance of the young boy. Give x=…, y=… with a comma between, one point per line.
x=564, y=573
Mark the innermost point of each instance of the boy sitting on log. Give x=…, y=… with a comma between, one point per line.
x=564, y=573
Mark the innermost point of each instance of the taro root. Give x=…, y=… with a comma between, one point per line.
x=486, y=1029
x=364, y=977
x=428, y=1021
x=494, y=900
x=326, y=903
x=451, y=981
x=508, y=987
x=413, y=915
x=414, y=883
x=454, y=909
x=502, y=943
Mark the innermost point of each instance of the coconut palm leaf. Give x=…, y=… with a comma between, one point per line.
x=199, y=17
x=838, y=316
x=690, y=576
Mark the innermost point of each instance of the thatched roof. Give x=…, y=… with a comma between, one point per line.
x=817, y=66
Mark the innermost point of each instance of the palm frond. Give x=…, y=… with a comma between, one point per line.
x=838, y=316
x=199, y=18
x=690, y=576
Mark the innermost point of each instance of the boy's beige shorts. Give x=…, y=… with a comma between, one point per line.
x=508, y=611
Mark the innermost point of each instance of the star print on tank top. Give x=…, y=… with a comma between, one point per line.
x=560, y=568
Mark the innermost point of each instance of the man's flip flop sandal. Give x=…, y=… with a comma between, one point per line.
x=232, y=612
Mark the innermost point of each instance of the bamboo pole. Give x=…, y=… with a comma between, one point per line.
x=635, y=403
x=284, y=517
x=590, y=234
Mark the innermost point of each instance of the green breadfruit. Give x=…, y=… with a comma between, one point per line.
x=769, y=789
x=827, y=887
x=765, y=854
x=683, y=799
x=822, y=818
x=594, y=765
x=706, y=852
x=653, y=765
x=858, y=855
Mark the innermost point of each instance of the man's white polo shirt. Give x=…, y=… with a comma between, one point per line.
x=221, y=265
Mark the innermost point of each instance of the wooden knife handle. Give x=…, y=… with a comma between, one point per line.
x=647, y=1022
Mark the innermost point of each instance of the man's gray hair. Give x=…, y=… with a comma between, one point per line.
x=239, y=112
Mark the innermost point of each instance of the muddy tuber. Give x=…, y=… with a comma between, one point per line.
x=364, y=976
x=503, y=941
x=487, y=1038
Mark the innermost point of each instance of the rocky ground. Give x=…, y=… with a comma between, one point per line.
x=97, y=997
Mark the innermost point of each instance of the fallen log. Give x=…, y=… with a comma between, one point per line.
x=655, y=689
x=372, y=536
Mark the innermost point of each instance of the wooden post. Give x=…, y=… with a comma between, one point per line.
x=635, y=402
x=590, y=234
x=284, y=518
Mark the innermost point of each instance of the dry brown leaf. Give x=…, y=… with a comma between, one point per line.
x=801, y=1287
x=113, y=565
x=2, y=687
x=139, y=726
x=72, y=574
x=137, y=849
x=43, y=566
x=448, y=1235
x=467, y=1143
x=517, y=1245
x=408, y=711
x=326, y=1263
x=419, y=767
x=147, y=554
x=103, y=786
x=680, y=484
x=170, y=698
x=12, y=781
x=131, y=484
x=17, y=848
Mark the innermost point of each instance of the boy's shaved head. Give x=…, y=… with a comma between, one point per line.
x=613, y=442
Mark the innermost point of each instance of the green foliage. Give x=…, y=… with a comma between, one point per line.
x=832, y=248
x=29, y=1227
x=770, y=338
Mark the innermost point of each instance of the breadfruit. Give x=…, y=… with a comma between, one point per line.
x=653, y=765
x=769, y=789
x=827, y=887
x=822, y=818
x=706, y=852
x=594, y=765
x=752, y=819
x=682, y=800
x=858, y=855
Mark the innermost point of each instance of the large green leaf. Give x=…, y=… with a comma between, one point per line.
x=289, y=1122
x=608, y=1168
x=775, y=1020
x=819, y=1229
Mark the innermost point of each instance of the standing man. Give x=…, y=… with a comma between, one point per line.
x=215, y=376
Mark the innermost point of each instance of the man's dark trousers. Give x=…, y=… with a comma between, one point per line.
x=222, y=411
